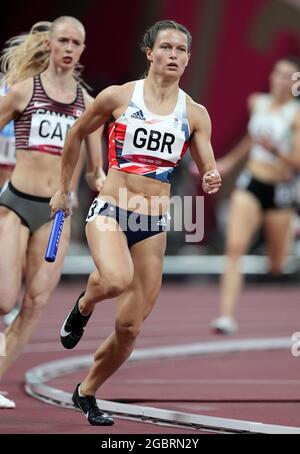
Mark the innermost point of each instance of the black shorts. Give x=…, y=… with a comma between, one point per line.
x=270, y=196
x=136, y=227
x=32, y=210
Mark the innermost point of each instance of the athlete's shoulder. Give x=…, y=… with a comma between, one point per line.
x=196, y=112
x=19, y=94
x=116, y=95
x=129, y=85
x=22, y=87
x=195, y=106
x=254, y=98
x=120, y=90
x=198, y=116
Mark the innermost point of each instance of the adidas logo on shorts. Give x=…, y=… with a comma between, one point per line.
x=162, y=222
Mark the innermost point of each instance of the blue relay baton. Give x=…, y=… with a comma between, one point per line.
x=55, y=235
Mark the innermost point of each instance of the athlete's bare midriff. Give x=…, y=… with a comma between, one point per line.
x=270, y=173
x=136, y=192
x=36, y=173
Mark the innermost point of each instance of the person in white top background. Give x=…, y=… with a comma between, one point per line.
x=264, y=195
x=152, y=123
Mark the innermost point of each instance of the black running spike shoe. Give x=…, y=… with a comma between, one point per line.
x=73, y=326
x=93, y=414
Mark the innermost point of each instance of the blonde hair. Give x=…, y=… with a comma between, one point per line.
x=28, y=54
x=63, y=19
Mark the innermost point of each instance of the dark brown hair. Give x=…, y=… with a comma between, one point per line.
x=150, y=35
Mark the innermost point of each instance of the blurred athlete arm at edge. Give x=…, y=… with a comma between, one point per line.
x=201, y=148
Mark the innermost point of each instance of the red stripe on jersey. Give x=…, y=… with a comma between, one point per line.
x=41, y=101
x=46, y=149
x=140, y=170
x=184, y=148
x=116, y=139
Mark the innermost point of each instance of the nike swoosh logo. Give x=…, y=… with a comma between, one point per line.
x=40, y=104
x=86, y=413
x=63, y=332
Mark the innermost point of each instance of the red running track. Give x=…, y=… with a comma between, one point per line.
x=262, y=386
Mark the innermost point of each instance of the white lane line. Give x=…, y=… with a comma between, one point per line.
x=181, y=350
x=210, y=381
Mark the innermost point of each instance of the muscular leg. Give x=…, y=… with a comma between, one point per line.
x=277, y=226
x=113, y=261
x=133, y=307
x=244, y=219
x=41, y=279
x=13, y=244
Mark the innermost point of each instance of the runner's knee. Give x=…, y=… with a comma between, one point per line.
x=128, y=329
x=7, y=301
x=34, y=304
x=235, y=249
x=113, y=284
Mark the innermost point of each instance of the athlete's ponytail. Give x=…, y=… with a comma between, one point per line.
x=27, y=54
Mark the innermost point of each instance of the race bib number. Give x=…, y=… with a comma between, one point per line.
x=49, y=129
x=95, y=209
x=152, y=141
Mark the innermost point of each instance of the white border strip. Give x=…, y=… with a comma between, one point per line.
x=157, y=415
x=189, y=264
x=38, y=376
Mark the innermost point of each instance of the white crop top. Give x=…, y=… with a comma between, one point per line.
x=275, y=126
x=149, y=144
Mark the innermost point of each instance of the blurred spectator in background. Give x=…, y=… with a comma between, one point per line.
x=264, y=195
